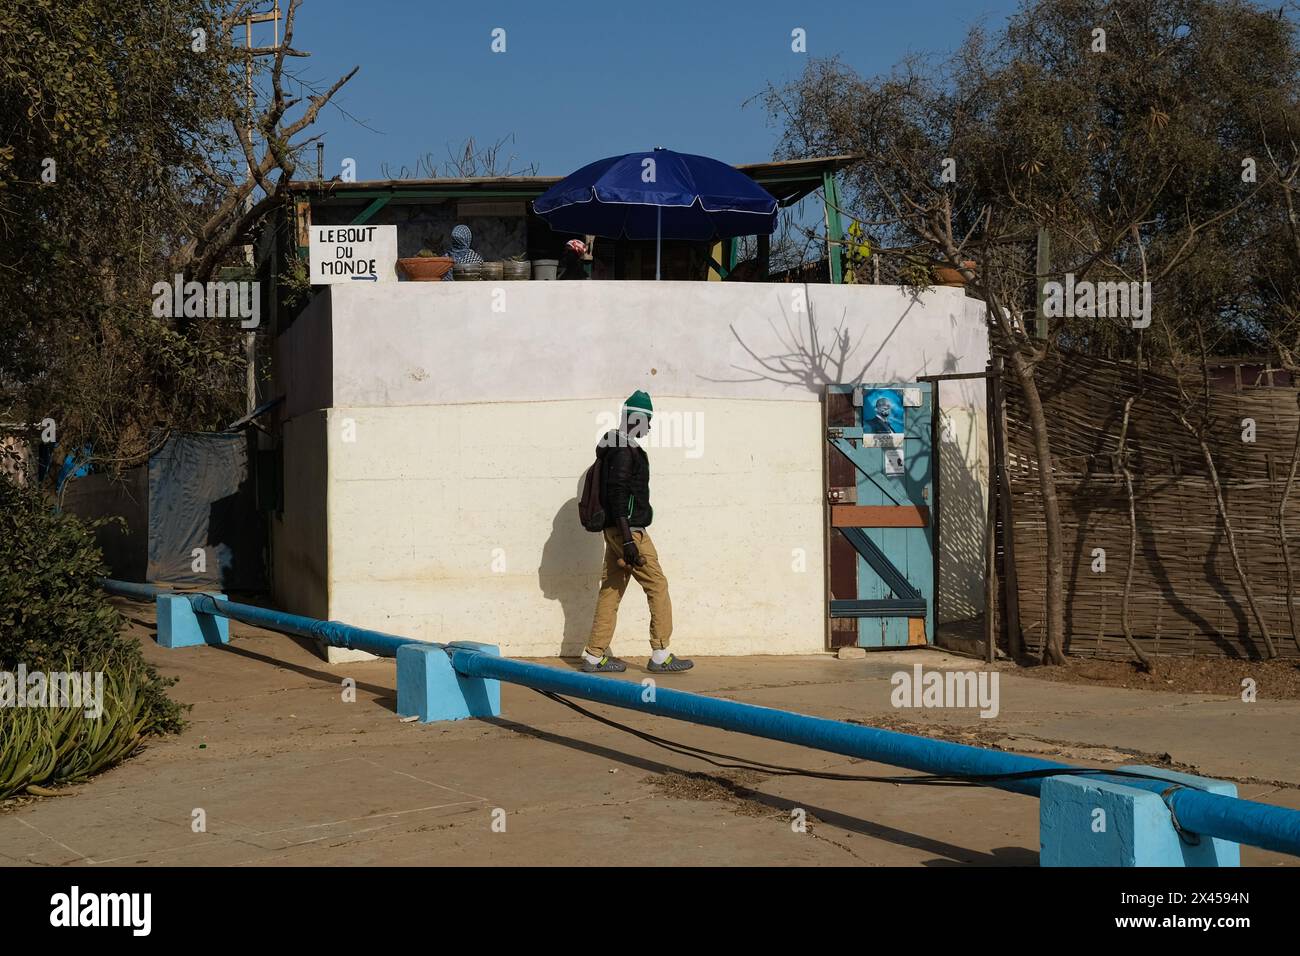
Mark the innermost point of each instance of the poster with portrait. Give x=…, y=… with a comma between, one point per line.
x=882, y=418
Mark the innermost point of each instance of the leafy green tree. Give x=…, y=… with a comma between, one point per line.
x=124, y=161
x=1153, y=140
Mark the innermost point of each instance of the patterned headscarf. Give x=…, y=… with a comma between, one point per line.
x=460, y=251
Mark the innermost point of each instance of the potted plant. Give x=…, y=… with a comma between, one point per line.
x=948, y=275
x=424, y=266
x=517, y=267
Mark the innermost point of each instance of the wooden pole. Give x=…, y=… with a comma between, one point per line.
x=935, y=516
x=1010, y=580
x=991, y=542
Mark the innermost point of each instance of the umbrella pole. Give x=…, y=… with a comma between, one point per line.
x=659, y=228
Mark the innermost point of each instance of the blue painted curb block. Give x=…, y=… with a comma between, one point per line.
x=179, y=626
x=428, y=687
x=1099, y=821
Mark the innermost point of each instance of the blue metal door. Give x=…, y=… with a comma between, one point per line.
x=879, y=484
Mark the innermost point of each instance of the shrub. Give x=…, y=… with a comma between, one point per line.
x=54, y=617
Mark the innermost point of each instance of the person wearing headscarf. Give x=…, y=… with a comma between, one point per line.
x=460, y=250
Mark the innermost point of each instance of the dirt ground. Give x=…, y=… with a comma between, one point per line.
x=1276, y=679
x=278, y=768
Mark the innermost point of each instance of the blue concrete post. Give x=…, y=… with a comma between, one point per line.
x=179, y=625
x=429, y=688
x=1100, y=821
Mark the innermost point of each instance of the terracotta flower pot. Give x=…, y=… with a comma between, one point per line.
x=426, y=268
x=947, y=275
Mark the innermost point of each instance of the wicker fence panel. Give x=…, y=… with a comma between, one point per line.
x=1185, y=597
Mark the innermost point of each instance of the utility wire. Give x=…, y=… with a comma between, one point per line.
x=731, y=762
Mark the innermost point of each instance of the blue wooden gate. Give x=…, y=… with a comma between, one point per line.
x=881, y=536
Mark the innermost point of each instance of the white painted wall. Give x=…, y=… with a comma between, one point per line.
x=475, y=409
x=441, y=547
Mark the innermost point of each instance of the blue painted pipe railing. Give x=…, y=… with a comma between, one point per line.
x=1229, y=818
x=144, y=592
x=334, y=633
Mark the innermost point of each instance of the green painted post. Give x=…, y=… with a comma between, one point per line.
x=834, y=227
x=1042, y=266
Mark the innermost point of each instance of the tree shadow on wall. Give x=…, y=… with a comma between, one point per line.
x=811, y=358
x=570, y=573
x=963, y=515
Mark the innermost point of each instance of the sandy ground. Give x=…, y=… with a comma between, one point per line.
x=286, y=772
x=1204, y=675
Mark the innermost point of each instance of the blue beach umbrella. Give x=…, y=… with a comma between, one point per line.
x=659, y=195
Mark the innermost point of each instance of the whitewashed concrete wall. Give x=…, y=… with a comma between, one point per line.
x=459, y=419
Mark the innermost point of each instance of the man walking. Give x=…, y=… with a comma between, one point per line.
x=629, y=552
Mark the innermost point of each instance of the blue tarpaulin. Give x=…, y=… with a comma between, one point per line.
x=202, y=499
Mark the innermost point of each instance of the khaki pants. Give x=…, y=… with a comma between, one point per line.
x=613, y=582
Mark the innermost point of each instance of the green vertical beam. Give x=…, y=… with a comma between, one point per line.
x=1042, y=266
x=834, y=227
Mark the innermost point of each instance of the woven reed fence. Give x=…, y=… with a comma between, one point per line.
x=1185, y=597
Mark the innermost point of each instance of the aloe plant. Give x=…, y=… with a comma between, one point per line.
x=41, y=745
x=53, y=617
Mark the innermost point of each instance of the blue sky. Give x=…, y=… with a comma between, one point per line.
x=580, y=81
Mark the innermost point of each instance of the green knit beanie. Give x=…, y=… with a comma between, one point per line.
x=639, y=401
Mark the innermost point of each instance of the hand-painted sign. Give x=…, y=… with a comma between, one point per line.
x=353, y=254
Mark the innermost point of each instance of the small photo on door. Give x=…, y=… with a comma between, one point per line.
x=894, y=465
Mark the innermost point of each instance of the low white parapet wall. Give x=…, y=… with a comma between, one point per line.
x=424, y=343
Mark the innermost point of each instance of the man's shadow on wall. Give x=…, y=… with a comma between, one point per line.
x=570, y=573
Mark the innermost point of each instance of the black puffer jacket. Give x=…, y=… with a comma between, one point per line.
x=625, y=491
